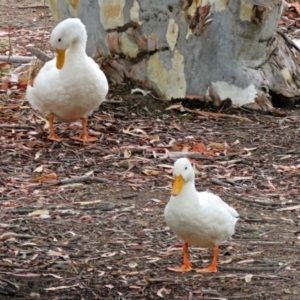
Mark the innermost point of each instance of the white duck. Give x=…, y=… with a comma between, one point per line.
x=201, y=219
x=71, y=86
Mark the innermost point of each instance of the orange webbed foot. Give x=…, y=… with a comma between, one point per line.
x=210, y=269
x=54, y=137
x=183, y=268
x=85, y=138
x=186, y=267
x=213, y=267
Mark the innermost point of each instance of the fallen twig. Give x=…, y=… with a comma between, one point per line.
x=12, y=106
x=10, y=293
x=32, y=6
x=159, y=279
x=129, y=196
x=11, y=283
x=8, y=235
x=249, y=220
x=251, y=296
x=248, y=269
x=16, y=59
x=83, y=179
x=218, y=115
x=39, y=54
x=62, y=287
x=212, y=293
x=112, y=102
x=259, y=242
x=222, y=182
x=20, y=211
x=2, y=182
x=16, y=126
x=71, y=180
x=288, y=208
x=189, y=154
x=104, y=206
x=259, y=202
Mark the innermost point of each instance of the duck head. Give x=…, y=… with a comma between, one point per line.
x=68, y=33
x=183, y=172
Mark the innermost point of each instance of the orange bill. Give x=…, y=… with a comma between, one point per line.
x=60, y=59
x=177, y=185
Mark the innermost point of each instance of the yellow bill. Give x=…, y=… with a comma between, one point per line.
x=60, y=59
x=177, y=185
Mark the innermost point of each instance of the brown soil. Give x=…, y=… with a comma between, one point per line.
x=109, y=240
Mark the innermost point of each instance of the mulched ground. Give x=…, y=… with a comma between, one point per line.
x=85, y=221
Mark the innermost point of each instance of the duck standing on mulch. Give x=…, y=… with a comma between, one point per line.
x=201, y=219
x=71, y=86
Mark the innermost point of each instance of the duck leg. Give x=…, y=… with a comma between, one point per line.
x=52, y=136
x=213, y=266
x=85, y=137
x=186, y=262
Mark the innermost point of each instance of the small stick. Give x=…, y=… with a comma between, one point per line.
x=2, y=182
x=16, y=126
x=16, y=59
x=83, y=179
x=255, y=201
x=8, y=235
x=10, y=282
x=248, y=269
x=218, y=115
x=188, y=154
x=39, y=54
x=105, y=206
x=32, y=6
x=158, y=279
x=288, y=208
x=258, y=242
x=222, y=182
x=129, y=196
x=20, y=211
x=256, y=220
x=112, y=102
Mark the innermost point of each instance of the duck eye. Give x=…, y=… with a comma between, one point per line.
x=185, y=168
x=59, y=40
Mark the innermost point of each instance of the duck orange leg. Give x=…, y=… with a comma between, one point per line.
x=52, y=136
x=213, y=266
x=85, y=137
x=186, y=262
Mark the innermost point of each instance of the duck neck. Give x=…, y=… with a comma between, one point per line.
x=76, y=48
x=189, y=188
